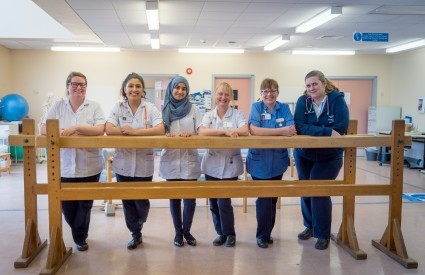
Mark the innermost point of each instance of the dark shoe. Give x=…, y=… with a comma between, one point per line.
x=270, y=241
x=134, y=243
x=322, y=244
x=178, y=241
x=83, y=246
x=230, y=241
x=220, y=240
x=262, y=243
x=306, y=234
x=190, y=239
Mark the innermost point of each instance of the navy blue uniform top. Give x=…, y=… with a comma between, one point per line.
x=268, y=163
x=334, y=116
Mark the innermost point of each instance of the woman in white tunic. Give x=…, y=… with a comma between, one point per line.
x=134, y=117
x=223, y=164
x=78, y=116
x=181, y=118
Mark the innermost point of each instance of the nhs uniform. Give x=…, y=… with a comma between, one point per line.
x=78, y=165
x=268, y=164
x=182, y=163
x=223, y=164
x=319, y=163
x=131, y=164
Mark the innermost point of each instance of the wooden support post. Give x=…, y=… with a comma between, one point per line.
x=347, y=237
x=57, y=251
x=32, y=242
x=245, y=177
x=109, y=206
x=392, y=241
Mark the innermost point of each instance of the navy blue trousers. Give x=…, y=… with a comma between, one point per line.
x=317, y=211
x=182, y=223
x=77, y=213
x=222, y=212
x=266, y=213
x=135, y=211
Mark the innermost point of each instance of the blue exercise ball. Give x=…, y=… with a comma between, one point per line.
x=13, y=107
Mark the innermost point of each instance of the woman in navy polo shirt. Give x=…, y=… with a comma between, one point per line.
x=268, y=117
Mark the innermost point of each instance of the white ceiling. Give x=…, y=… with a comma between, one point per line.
x=248, y=24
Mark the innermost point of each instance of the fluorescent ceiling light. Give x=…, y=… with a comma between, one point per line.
x=200, y=50
x=277, y=43
x=408, y=46
x=84, y=49
x=154, y=41
x=152, y=14
x=319, y=19
x=303, y=52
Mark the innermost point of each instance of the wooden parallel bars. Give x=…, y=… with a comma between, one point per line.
x=391, y=243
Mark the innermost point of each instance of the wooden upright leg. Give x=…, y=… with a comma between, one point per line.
x=392, y=241
x=32, y=243
x=57, y=252
x=347, y=237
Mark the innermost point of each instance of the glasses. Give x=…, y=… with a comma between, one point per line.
x=76, y=84
x=269, y=91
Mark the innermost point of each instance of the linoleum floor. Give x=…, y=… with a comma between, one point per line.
x=108, y=236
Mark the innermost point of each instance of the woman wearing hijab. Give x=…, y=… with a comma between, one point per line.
x=181, y=118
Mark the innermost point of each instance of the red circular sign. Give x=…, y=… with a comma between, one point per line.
x=189, y=70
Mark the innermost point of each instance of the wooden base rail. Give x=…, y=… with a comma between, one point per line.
x=391, y=242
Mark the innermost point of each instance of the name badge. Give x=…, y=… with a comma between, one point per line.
x=125, y=120
x=266, y=116
x=280, y=120
x=228, y=124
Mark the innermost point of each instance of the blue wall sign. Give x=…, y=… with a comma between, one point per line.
x=371, y=36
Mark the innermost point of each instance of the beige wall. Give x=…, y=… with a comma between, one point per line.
x=5, y=71
x=36, y=73
x=407, y=84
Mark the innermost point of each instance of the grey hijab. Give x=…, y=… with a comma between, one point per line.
x=175, y=109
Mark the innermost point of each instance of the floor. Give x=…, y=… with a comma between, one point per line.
x=108, y=236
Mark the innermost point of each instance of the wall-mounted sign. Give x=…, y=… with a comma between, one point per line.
x=370, y=36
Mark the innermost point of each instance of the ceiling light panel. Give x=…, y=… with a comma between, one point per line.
x=152, y=15
x=405, y=47
x=319, y=19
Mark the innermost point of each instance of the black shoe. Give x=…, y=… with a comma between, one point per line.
x=262, y=243
x=178, y=241
x=322, y=244
x=82, y=246
x=190, y=239
x=270, y=241
x=230, y=241
x=220, y=240
x=134, y=243
x=306, y=234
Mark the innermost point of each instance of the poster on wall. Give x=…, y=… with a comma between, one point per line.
x=202, y=99
x=421, y=107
